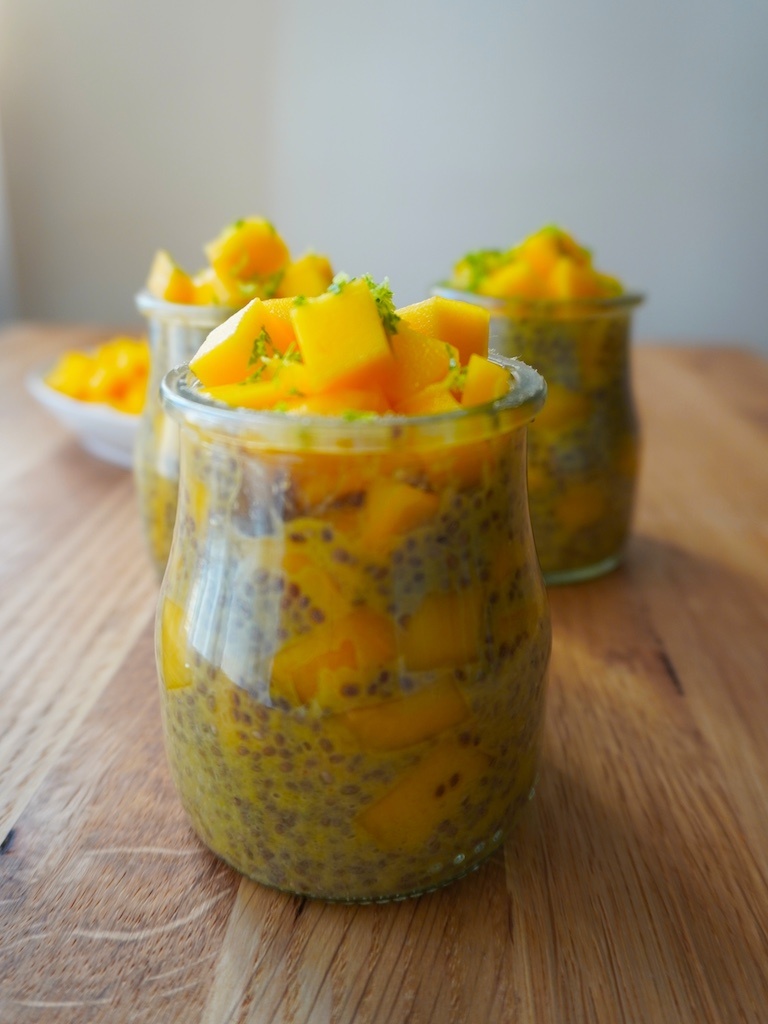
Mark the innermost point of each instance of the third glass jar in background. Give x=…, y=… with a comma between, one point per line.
x=583, y=447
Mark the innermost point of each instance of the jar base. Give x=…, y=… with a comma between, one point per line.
x=562, y=577
x=491, y=846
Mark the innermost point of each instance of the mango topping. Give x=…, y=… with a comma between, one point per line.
x=549, y=264
x=349, y=352
x=248, y=259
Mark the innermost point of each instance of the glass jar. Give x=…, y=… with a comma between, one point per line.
x=175, y=333
x=352, y=640
x=583, y=448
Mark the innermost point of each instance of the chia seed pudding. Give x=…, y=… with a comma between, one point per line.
x=352, y=704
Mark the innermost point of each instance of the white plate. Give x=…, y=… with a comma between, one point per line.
x=101, y=430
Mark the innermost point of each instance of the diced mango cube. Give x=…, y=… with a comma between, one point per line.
x=485, y=381
x=430, y=401
x=248, y=250
x=563, y=408
x=308, y=275
x=444, y=631
x=419, y=362
x=517, y=278
x=234, y=349
x=581, y=505
x=571, y=280
x=393, y=508
x=431, y=792
x=168, y=281
x=342, y=339
x=341, y=402
x=407, y=720
x=71, y=374
x=462, y=324
x=174, y=661
x=264, y=393
x=333, y=662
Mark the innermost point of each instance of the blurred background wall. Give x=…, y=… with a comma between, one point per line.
x=392, y=136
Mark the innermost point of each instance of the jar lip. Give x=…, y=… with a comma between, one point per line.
x=541, y=307
x=195, y=316
x=182, y=396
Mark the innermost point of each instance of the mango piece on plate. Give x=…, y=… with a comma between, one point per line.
x=249, y=250
x=484, y=382
x=168, y=281
x=407, y=814
x=308, y=275
x=342, y=339
x=462, y=324
x=234, y=349
x=407, y=720
x=444, y=631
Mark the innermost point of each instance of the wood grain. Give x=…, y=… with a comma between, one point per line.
x=636, y=888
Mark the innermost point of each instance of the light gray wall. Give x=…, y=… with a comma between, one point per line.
x=393, y=136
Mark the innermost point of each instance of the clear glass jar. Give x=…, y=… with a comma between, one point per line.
x=175, y=333
x=583, y=448
x=352, y=640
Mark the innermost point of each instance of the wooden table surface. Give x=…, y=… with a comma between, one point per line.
x=636, y=889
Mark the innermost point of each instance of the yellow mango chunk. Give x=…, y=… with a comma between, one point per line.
x=333, y=662
x=546, y=246
x=258, y=394
x=444, y=631
x=309, y=275
x=234, y=349
x=175, y=664
x=462, y=324
x=248, y=250
x=485, y=381
x=281, y=308
x=581, y=505
x=563, y=408
x=571, y=280
x=341, y=338
x=341, y=402
x=115, y=373
x=328, y=477
x=71, y=374
x=419, y=362
x=393, y=508
x=168, y=281
x=407, y=720
x=434, y=399
x=407, y=815
x=212, y=290
x=517, y=278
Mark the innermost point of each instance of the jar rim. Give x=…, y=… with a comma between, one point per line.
x=178, y=312
x=541, y=307
x=183, y=398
